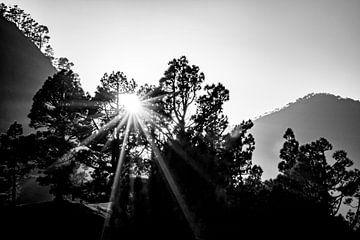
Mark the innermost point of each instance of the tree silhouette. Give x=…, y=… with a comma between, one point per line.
x=237, y=155
x=60, y=111
x=352, y=191
x=202, y=159
x=110, y=115
x=105, y=112
x=17, y=154
x=307, y=173
x=181, y=84
x=38, y=34
x=61, y=63
x=289, y=151
x=3, y=9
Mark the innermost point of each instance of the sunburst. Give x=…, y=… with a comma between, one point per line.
x=132, y=104
x=136, y=111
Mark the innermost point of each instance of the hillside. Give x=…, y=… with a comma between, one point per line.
x=23, y=69
x=314, y=116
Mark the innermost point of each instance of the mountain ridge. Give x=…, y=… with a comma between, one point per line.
x=311, y=117
x=309, y=95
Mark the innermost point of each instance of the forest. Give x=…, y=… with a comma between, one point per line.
x=167, y=160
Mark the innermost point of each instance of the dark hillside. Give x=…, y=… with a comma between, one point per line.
x=23, y=69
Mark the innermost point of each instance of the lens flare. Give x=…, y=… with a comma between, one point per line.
x=194, y=224
x=136, y=110
x=131, y=103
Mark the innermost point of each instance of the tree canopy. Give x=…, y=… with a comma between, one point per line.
x=60, y=111
x=17, y=153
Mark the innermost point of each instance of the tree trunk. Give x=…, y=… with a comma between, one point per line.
x=115, y=154
x=356, y=217
x=13, y=189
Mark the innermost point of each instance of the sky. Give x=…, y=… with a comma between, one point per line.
x=266, y=52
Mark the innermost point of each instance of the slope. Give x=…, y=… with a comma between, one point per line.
x=23, y=69
x=311, y=117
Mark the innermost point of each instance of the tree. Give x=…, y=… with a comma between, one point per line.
x=61, y=63
x=49, y=52
x=324, y=184
x=37, y=33
x=210, y=122
x=111, y=119
x=289, y=152
x=105, y=114
x=180, y=84
x=237, y=155
x=59, y=110
x=14, y=14
x=352, y=193
x=189, y=117
x=41, y=37
x=3, y=9
x=201, y=159
x=17, y=154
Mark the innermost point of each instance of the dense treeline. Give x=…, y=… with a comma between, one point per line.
x=175, y=169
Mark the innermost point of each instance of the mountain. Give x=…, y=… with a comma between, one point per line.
x=311, y=117
x=23, y=69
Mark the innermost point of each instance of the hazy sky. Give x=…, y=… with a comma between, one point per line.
x=266, y=52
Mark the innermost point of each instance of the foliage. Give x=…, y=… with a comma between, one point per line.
x=60, y=111
x=237, y=155
x=105, y=148
x=107, y=94
x=17, y=154
x=180, y=84
x=109, y=121
x=319, y=181
x=205, y=162
x=289, y=152
x=37, y=33
x=62, y=63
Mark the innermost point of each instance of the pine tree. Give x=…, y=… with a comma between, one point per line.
x=59, y=111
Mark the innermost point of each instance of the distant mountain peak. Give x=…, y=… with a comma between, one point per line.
x=311, y=97
x=313, y=116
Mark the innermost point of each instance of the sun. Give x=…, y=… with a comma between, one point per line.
x=131, y=103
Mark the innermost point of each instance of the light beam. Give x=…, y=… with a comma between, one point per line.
x=172, y=184
x=131, y=103
x=115, y=193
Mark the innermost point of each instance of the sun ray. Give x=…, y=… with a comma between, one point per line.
x=111, y=123
x=159, y=122
x=115, y=193
x=150, y=100
x=150, y=114
x=116, y=129
x=182, y=153
x=122, y=122
x=137, y=109
x=71, y=153
x=172, y=184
